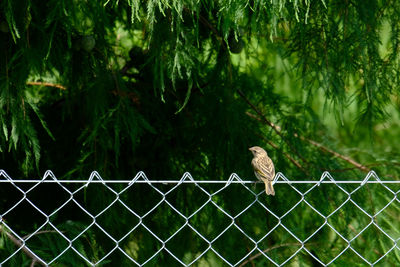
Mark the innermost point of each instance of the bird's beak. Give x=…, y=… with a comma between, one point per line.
x=250, y=149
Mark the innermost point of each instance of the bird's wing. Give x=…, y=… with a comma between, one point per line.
x=265, y=168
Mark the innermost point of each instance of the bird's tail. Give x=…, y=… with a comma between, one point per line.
x=269, y=189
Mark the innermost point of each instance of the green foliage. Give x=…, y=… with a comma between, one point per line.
x=172, y=86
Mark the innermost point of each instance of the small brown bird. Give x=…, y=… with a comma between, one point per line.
x=263, y=168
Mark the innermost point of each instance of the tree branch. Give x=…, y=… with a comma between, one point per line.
x=287, y=155
x=269, y=249
x=269, y=123
x=277, y=129
x=59, y=86
x=328, y=150
x=17, y=242
x=40, y=233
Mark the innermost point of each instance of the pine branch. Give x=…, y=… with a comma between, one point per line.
x=277, y=129
x=328, y=150
x=269, y=123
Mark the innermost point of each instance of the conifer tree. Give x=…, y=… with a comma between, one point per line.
x=167, y=87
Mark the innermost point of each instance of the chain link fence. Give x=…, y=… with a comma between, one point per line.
x=188, y=222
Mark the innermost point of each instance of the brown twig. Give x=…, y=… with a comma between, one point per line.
x=269, y=249
x=277, y=129
x=269, y=123
x=17, y=242
x=59, y=86
x=343, y=157
x=287, y=155
x=131, y=95
x=40, y=233
x=369, y=165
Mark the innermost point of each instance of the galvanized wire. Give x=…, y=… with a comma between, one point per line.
x=7, y=233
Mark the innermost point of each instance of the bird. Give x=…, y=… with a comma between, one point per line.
x=263, y=168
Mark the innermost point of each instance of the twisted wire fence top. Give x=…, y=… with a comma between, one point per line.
x=53, y=222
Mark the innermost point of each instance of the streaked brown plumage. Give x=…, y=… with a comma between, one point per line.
x=263, y=168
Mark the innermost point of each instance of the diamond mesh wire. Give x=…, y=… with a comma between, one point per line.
x=52, y=222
